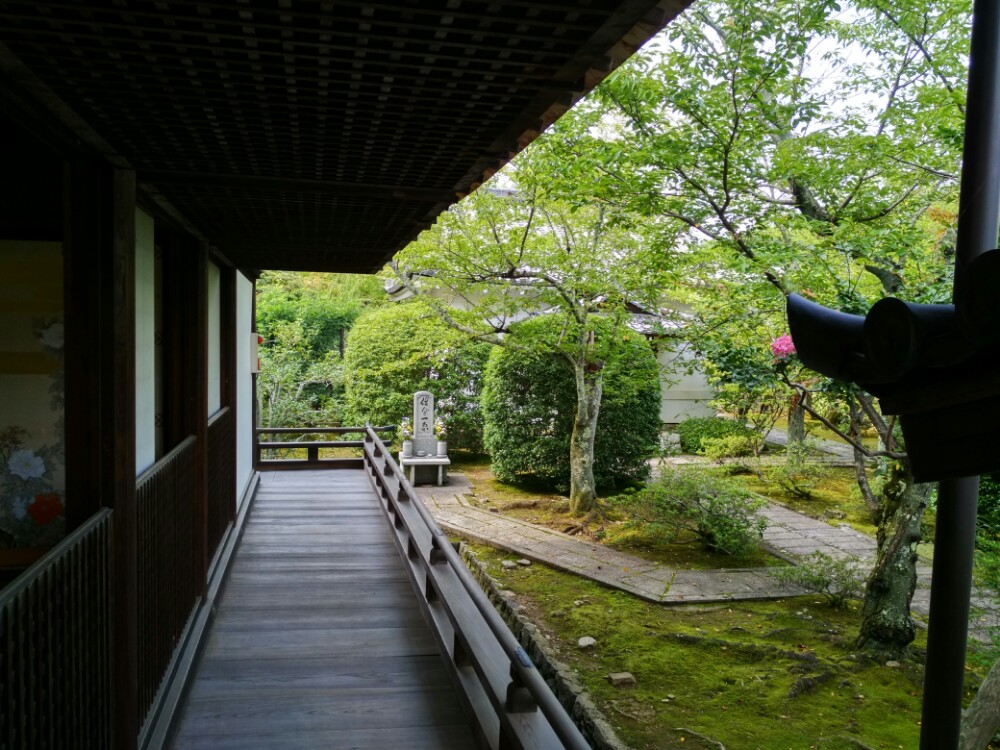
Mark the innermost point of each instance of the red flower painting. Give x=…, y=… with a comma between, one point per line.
x=46, y=508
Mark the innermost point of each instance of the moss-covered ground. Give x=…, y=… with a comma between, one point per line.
x=779, y=675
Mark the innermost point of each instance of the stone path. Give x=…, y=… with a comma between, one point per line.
x=789, y=535
x=649, y=580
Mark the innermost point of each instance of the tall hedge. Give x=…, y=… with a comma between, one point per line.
x=529, y=400
x=396, y=350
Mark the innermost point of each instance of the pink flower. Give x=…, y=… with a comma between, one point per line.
x=782, y=347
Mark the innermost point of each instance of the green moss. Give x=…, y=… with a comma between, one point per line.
x=768, y=675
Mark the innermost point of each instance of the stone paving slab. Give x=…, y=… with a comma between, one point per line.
x=648, y=580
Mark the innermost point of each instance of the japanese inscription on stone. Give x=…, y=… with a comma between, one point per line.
x=423, y=414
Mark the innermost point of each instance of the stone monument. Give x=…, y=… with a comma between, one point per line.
x=425, y=466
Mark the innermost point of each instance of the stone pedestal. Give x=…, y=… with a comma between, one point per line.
x=426, y=465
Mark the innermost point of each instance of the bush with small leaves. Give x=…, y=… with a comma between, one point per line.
x=682, y=505
x=731, y=446
x=799, y=474
x=694, y=432
x=838, y=579
x=988, y=518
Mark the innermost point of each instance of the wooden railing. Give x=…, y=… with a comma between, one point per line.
x=497, y=680
x=311, y=448
x=55, y=641
x=221, y=477
x=169, y=568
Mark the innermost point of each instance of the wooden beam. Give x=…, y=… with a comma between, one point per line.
x=17, y=73
x=161, y=177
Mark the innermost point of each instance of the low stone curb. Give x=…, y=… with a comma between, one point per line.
x=560, y=678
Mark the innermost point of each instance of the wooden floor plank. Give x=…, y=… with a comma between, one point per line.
x=219, y=677
x=292, y=714
x=319, y=641
x=442, y=737
x=308, y=618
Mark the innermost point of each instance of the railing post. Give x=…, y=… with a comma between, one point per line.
x=519, y=698
x=437, y=555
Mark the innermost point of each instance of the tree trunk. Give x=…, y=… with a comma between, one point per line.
x=589, y=386
x=981, y=719
x=797, y=420
x=886, y=626
x=860, y=475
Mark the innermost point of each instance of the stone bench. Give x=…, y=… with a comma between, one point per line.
x=414, y=462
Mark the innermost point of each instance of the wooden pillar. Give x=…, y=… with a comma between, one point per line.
x=117, y=436
x=255, y=415
x=230, y=371
x=86, y=340
x=199, y=415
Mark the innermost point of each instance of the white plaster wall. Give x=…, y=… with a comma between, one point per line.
x=244, y=384
x=145, y=343
x=214, y=339
x=684, y=394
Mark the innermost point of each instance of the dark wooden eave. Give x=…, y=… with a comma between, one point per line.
x=309, y=135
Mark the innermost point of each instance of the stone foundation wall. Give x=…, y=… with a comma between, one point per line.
x=561, y=679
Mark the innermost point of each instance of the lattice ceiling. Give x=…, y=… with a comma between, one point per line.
x=311, y=135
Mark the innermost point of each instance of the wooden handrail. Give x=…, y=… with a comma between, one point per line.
x=29, y=576
x=478, y=627
x=55, y=637
x=312, y=447
x=317, y=430
x=169, y=576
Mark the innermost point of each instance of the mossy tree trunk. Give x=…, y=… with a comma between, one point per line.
x=797, y=419
x=886, y=626
x=589, y=387
x=981, y=720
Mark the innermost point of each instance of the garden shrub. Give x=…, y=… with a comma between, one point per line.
x=396, y=350
x=798, y=475
x=987, y=562
x=694, y=432
x=988, y=519
x=838, y=579
x=682, y=505
x=529, y=402
x=731, y=446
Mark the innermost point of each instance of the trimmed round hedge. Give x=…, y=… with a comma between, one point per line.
x=529, y=402
x=394, y=351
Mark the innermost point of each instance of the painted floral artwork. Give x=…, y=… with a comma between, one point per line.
x=31, y=470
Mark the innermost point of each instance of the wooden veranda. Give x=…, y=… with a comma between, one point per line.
x=156, y=157
x=346, y=619
x=318, y=640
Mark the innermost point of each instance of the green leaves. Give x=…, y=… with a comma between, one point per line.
x=397, y=350
x=529, y=401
